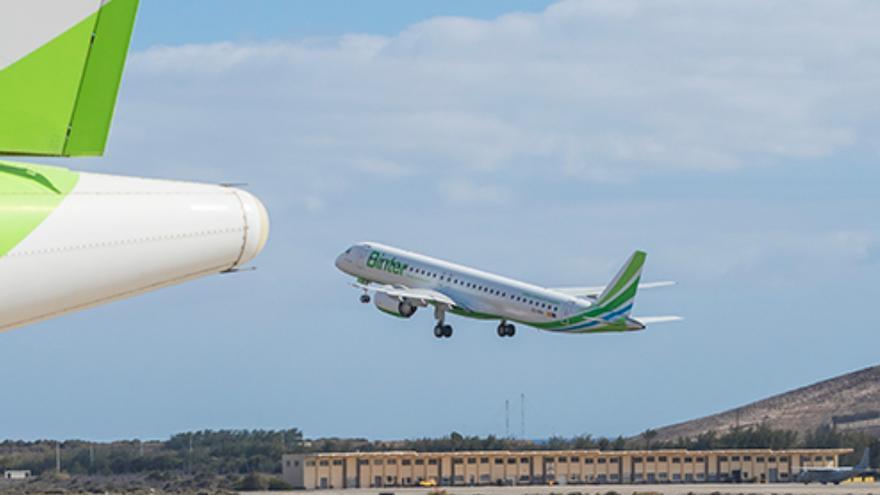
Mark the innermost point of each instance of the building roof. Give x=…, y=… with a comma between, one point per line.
x=397, y=453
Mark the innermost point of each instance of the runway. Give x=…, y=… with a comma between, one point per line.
x=668, y=489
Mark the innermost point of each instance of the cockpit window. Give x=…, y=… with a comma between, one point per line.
x=348, y=251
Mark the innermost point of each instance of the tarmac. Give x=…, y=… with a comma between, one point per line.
x=668, y=489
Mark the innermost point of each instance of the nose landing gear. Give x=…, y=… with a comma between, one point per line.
x=365, y=298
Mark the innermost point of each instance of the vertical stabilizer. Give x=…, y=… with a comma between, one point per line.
x=60, y=66
x=617, y=298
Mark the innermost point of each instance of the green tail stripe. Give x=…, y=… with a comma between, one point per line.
x=633, y=268
x=622, y=299
x=93, y=113
x=28, y=195
x=618, y=301
x=613, y=326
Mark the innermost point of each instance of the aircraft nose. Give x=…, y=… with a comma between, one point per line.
x=341, y=262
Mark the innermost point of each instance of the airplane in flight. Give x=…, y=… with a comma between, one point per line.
x=403, y=281
x=71, y=240
x=838, y=475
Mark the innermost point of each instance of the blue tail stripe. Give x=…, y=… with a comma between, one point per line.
x=605, y=318
x=621, y=311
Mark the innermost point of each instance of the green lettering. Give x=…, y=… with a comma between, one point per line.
x=380, y=262
x=373, y=259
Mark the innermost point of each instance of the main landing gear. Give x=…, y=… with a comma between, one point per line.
x=506, y=329
x=441, y=329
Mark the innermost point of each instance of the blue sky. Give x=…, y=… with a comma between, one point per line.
x=736, y=143
x=163, y=22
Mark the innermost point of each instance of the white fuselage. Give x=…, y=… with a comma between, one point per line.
x=483, y=294
x=113, y=237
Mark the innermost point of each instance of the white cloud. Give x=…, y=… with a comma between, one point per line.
x=774, y=258
x=382, y=168
x=464, y=112
x=600, y=90
x=463, y=193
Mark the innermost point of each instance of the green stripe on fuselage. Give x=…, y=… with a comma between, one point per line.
x=28, y=195
x=475, y=315
x=594, y=311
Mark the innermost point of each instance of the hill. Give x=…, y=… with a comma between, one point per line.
x=850, y=402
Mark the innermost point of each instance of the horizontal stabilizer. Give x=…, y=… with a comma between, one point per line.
x=60, y=67
x=650, y=320
x=595, y=291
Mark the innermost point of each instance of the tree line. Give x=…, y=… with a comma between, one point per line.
x=221, y=452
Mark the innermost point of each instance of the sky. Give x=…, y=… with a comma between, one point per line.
x=736, y=142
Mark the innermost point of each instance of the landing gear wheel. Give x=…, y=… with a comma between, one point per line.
x=506, y=330
x=438, y=331
x=365, y=298
x=447, y=331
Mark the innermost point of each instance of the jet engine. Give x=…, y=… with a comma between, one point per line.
x=394, y=306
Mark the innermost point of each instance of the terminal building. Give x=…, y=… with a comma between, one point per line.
x=409, y=468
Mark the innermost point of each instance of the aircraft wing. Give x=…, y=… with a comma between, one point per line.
x=595, y=291
x=421, y=296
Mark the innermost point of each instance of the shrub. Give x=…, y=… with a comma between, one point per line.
x=276, y=484
x=251, y=483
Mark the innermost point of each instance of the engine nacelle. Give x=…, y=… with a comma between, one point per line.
x=394, y=306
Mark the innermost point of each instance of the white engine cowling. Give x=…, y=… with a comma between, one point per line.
x=394, y=306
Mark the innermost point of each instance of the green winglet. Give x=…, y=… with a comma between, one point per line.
x=58, y=100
